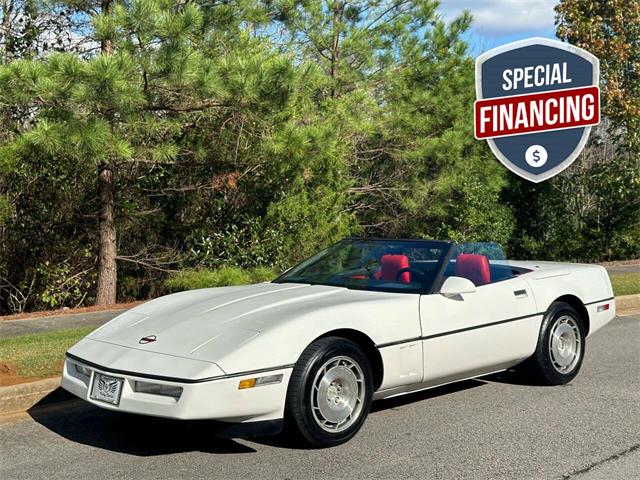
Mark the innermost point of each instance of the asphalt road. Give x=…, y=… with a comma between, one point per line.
x=631, y=268
x=13, y=328
x=495, y=427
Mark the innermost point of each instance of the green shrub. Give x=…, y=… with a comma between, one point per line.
x=263, y=274
x=62, y=286
x=221, y=277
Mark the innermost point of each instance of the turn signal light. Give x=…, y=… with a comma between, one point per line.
x=603, y=308
x=257, y=382
x=247, y=383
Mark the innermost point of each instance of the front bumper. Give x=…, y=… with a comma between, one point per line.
x=217, y=399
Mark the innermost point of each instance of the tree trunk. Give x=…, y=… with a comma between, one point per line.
x=107, y=269
x=107, y=250
x=7, y=12
x=106, y=46
x=335, y=47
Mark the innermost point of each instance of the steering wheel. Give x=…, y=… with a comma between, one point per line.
x=371, y=274
x=410, y=270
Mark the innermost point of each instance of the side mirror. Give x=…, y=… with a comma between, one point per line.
x=454, y=286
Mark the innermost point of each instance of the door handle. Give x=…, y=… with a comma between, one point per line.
x=520, y=293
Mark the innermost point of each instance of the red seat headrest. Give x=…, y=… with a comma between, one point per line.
x=473, y=267
x=390, y=265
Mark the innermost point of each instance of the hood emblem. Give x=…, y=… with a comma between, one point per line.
x=147, y=339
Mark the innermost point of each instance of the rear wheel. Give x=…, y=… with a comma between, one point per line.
x=561, y=345
x=330, y=392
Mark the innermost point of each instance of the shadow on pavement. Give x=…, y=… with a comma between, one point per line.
x=402, y=400
x=513, y=377
x=139, y=435
x=281, y=441
x=83, y=423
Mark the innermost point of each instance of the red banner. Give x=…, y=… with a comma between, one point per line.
x=537, y=112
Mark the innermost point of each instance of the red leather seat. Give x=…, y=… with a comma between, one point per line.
x=473, y=267
x=390, y=265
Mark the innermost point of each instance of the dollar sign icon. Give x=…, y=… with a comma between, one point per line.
x=536, y=156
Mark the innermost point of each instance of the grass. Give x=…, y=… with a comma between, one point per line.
x=625, y=283
x=38, y=355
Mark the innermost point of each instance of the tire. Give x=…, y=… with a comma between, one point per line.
x=329, y=393
x=561, y=346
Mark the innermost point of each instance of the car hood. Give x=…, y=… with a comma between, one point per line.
x=207, y=324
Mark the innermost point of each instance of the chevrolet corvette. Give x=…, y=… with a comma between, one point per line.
x=365, y=319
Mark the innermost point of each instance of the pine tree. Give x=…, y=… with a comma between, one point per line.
x=171, y=104
x=149, y=71
x=353, y=41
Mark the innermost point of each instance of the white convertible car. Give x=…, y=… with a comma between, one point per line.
x=365, y=319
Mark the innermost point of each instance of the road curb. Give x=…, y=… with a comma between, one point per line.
x=23, y=396
x=628, y=304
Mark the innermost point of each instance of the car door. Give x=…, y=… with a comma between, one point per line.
x=471, y=334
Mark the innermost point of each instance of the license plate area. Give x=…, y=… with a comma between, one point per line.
x=106, y=388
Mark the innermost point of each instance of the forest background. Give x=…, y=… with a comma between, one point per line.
x=151, y=145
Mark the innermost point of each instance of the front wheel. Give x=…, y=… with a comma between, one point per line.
x=561, y=345
x=329, y=393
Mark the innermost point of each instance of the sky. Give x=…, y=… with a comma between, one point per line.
x=497, y=22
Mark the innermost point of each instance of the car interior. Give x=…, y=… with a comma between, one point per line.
x=406, y=265
x=475, y=267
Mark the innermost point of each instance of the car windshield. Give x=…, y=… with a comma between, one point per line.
x=385, y=265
